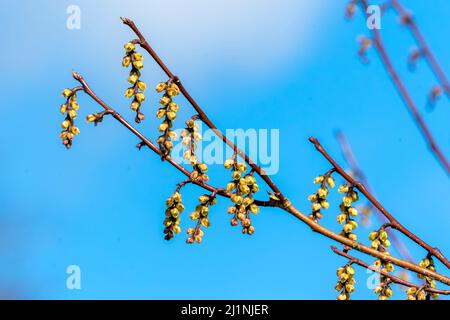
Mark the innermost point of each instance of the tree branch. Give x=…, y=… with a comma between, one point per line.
x=87, y=89
x=409, y=102
x=393, y=222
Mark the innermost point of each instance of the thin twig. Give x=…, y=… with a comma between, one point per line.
x=394, y=222
x=201, y=114
x=424, y=49
x=359, y=174
x=87, y=89
x=409, y=102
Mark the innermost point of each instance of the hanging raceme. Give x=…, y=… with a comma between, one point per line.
x=348, y=212
x=201, y=216
x=190, y=138
x=172, y=221
x=135, y=60
x=380, y=242
x=427, y=263
x=319, y=199
x=69, y=108
x=168, y=111
x=346, y=282
x=242, y=187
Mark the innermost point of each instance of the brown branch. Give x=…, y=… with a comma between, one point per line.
x=422, y=44
x=87, y=89
x=284, y=203
x=409, y=102
x=201, y=114
x=393, y=278
x=394, y=223
x=359, y=174
x=288, y=206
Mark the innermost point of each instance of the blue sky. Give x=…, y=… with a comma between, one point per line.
x=287, y=65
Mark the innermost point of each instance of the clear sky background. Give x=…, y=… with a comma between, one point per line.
x=288, y=65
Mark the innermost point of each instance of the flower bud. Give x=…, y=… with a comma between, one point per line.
x=63, y=108
x=67, y=93
x=241, y=166
x=72, y=114
x=126, y=61
x=135, y=105
x=140, y=97
x=161, y=87
x=343, y=189
x=254, y=208
x=142, y=86
x=330, y=182
x=164, y=101
x=318, y=179
x=137, y=56
x=171, y=115
x=65, y=124
x=129, y=46
x=203, y=167
x=228, y=163
x=91, y=118
x=129, y=92
x=352, y=211
x=174, y=107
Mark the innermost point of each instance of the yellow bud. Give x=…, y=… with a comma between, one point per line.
x=241, y=166
x=173, y=135
x=135, y=105
x=342, y=297
x=315, y=207
x=190, y=231
x=352, y=211
x=324, y=204
x=126, y=61
x=236, y=175
x=254, y=208
x=378, y=289
x=133, y=78
x=137, y=56
x=350, y=288
x=72, y=114
x=330, y=182
x=203, y=167
x=140, y=97
x=63, y=108
x=383, y=235
x=389, y=267
x=129, y=47
x=164, y=101
x=161, y=87
x=74, y=105
x=163, y=127
x=91, y=118
x=67, y=93
x=75, y=130
x=352, y=236
x=348, y=228
x=346, y=201
x=382, y=297
x=195, y=215
x=231, y=186
x=341, y=218
x=160, y=113
x=322, y=192
x=171, y=115
x=228, y=163
x=388, y=292
x=411, y=290
x=205, y=222
x=138, y=64
x=174, y=107
x=343, y=189
x=375, y=244
x=65, y=124
x=318, y=179
x=176, y=229
x=142, y=86
x=129, y=92
x=373, y=235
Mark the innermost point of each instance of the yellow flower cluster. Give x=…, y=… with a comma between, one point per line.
x=348, y=212
x=175, y=207
x=414, y=293
x=319, y=199
x=137, y=88
x=70, y=108
x=428, y=263
x=380, y=242
x=346, y=283
x=168, y=111
x=201, y=216
x=242, y=187
x=190, y=138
